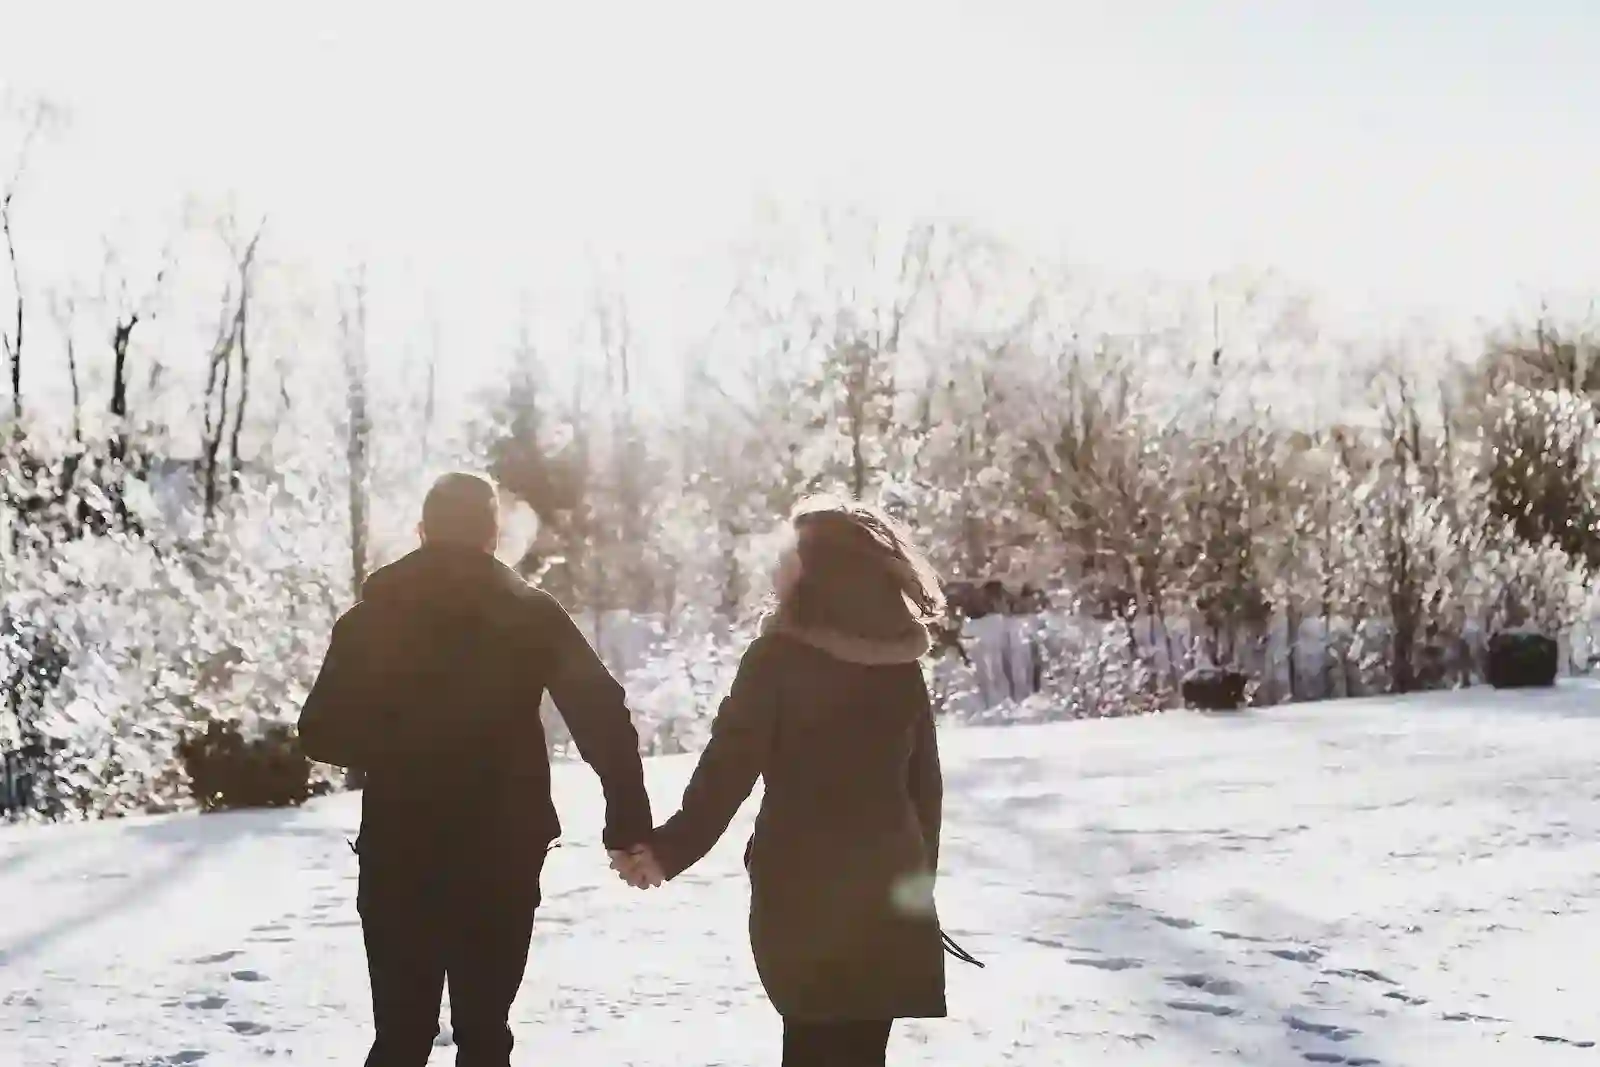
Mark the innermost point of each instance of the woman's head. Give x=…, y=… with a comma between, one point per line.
x=853, y=570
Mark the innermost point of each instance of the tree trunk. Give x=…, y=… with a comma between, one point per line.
x=858, y=462
x=733, y=574
x=358, y=432
x=64, y=311
x=121, y=335
x=13, y=341
x=216, y=405
x=1403, y=616
x=241, y=335
x=241, y=344
x=429, y=404
x=1291, y=640
x=39, y=117
x=77, y=390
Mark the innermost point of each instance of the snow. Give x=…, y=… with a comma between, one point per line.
x=1398, y=882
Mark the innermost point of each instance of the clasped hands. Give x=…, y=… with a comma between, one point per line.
x=637, y=866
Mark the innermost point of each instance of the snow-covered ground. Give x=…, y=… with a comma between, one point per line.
x=1385, y=882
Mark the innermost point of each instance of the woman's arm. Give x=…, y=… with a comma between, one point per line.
x=741, y=737
x=927, y=780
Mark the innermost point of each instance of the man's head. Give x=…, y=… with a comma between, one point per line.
x=461, y=510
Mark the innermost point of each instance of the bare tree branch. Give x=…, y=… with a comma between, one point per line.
x=39, y=117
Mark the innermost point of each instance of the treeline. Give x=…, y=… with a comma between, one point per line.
x=1186, y=475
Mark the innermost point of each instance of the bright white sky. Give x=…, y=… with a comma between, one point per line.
x=1440, y=152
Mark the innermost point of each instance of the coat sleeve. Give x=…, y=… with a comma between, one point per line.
x=594, y=706
x=331, y=725
x=735, y=756
x=927, y=780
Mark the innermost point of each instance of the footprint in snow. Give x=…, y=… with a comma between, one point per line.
x=1222, y=1011
x=1205, y=983
x=211, y=1003
x=219, y=957
x=1111, y=963
x=1229, y=935
x=269, y=928
x=248, y=976
x=1332, y=1033
x=337, y=924
x=1405, y=998
x=1334, y=1057
x=1297, y=955
x=1175, y=923
x=1468, y=1017
x=270, y=940
x=1051, y=942
x=248, y=1029
x=1362, y=973
x=1550, y=1039
x=1044, y=894
x=577, y=891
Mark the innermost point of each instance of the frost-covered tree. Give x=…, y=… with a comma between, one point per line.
x=1543, y=468
x=1186, y=470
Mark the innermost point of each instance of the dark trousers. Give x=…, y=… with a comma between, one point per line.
x=835, y=1044
x=426, y=923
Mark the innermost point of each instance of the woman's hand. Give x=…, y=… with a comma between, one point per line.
x=638, y=867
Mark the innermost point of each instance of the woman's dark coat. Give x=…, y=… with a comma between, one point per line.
x=841, y=864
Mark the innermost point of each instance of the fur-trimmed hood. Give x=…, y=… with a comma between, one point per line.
x=910, y=645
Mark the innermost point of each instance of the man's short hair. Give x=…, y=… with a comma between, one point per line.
x=461, y=509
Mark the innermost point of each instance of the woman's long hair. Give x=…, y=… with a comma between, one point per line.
x=859, y=573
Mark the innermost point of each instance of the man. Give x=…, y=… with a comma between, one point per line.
x=432, y=686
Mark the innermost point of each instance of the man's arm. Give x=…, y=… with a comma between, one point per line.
x=329, y=725
x=594, y=707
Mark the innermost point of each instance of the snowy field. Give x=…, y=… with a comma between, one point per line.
x=1376, y=882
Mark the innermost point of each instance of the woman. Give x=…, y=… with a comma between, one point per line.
x=831, y=709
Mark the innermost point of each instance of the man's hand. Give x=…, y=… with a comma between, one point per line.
x=637, y=866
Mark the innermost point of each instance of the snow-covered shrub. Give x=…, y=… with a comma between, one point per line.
x=674, y=672
x=1521, y=659
x=1163, y=454
x=675, y=694
x=1542, y=465
x=226, y=770
x=1218, y=560
x=954, y=686
x=1095, y=669
x=1212, y=688
x=128, y=642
